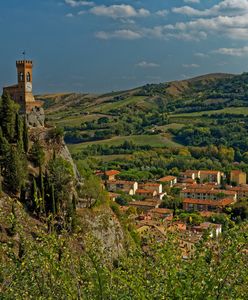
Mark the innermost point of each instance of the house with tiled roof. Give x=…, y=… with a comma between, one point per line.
x=152, y=186
x=242, y=191
x=108, y=175
x=206, y=199
x=238, y=177
x=161, y=213
x=146, y=193
x=214, y=229
x=129, y=187
x=189, y=174
x=210, y=176
x=168, y=180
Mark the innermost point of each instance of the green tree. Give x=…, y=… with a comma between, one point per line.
x=25, y=135
x=92, y=192
x=37, y=154
x=60, y=176
x=15, y=170
x=8, y=113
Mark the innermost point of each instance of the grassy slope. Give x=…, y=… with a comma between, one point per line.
x=106, y=107
x=152, y=140
x=74, y=109
x=227, y=110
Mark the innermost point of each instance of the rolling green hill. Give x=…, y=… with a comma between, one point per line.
x=154, y=114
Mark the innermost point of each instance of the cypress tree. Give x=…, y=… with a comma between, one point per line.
x=14, y=170
x=4, y=147
x=47, y=196
x=23, y=194
x=7, y=116
x=19, y=132
x=25, y=136
x=42, y=188
x=1, y=188
x=37, y=154
x=53, y=200
x=35, y=195
x=13, y=220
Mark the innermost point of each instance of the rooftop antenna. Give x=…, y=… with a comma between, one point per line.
x=24, y=55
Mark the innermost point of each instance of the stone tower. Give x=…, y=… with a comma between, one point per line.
x=22, y=93
x=25, y=78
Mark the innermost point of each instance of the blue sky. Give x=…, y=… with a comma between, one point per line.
x=98, y=46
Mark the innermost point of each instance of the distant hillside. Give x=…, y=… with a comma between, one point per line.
x=211, y=91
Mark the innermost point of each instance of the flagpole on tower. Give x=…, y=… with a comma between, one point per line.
x=24, y=55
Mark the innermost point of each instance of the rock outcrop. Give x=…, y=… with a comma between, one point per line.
x=36, y=118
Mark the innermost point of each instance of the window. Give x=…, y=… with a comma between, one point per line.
x=20, y=76
x=28, y=77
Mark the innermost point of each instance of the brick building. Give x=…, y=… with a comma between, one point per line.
x=22, y=92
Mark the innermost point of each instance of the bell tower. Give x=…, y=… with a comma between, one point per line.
x=22, y=92
x=24, y=79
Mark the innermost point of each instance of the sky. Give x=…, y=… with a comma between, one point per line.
x=102, y=46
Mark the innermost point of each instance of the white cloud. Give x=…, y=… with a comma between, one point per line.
x=157, y=32
x=162, y=13
x=190, y=11
x=125, y=34
x=228, y=18
x=234, y=27
x=191, y=1
x=145, y=64
x=232, y=51
x=227, y=7
x=191, y=66
x=201, y=55
x=77, y=3
x=69, y=15
x=119, y=11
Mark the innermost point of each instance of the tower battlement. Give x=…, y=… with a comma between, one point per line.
x=24, y=62
x=22, y=92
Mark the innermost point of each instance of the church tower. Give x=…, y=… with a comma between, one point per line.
x=25, y=77
x=22, y=92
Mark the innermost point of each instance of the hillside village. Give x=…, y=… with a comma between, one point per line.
x=203, y=192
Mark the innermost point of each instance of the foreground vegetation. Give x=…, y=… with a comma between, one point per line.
x=50, y=268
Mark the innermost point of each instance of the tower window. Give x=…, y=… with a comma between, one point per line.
x=28, y=77
x=21, y=76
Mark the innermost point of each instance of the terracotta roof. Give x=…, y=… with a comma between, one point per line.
x=206, y=225
x=208, y=191
x=113, y=194
x=112, y=172
x=222, y=202
x=11, y=86
x=150, y=184
x=167, y=178
x=108, y=173
x=190, y=172
x=121, y=182
x=141, y=191
x=237, y=172
x=238, y=188
x=209, y=172
x=202, y=186
x=144, y=203
x=207, y=213
x=189, y=180
x=161, y=211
